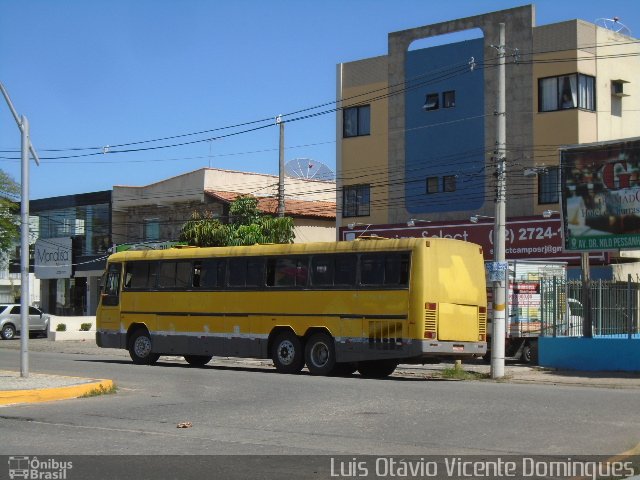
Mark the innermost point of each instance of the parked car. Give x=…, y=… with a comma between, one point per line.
x=10, y=321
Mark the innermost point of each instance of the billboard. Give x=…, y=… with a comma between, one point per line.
x=527, y=238
x=53, y=258
x=601, y=196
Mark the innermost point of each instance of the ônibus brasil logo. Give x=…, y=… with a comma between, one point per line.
x=36, y=469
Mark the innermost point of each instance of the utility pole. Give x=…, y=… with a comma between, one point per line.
x=500, y=307
x=26, y=147
x=281, y=168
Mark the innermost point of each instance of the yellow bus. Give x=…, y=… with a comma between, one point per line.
x=337, y=307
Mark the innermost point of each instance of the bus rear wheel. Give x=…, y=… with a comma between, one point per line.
x=287, y=354
x=198, y=360
x=140, y=349
x=343, y=369
x=320, y=354
x=377, y=368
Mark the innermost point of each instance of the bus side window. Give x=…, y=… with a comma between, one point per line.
x=110, y=296
x=287, y=272
x=396, y=271
x=322, y=270
x=345, y=270
x=211, y=273
x=372, y=269
x=141, y=275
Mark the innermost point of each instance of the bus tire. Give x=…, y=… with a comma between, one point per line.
x=140, y=348
x=377, y=368
x=198, y=360
x=320, y=354
x=287, y=354
x=344, y=369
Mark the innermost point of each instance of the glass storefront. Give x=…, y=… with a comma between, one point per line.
x=86, y=219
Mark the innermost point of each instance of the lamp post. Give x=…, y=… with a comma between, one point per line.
x=26, y=148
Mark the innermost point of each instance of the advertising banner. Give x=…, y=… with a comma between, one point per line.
x=601, y=196
x=527, y=238
x=53, y=258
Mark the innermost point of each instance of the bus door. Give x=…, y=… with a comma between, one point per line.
x=109, y=313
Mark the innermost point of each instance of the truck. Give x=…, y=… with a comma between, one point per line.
x=531, y=294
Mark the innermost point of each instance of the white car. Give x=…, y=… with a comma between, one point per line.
x=10, y=321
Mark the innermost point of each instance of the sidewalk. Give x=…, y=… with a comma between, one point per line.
x=40, y=387
x=35, y=388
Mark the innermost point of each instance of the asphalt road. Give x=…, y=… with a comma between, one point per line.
x=246, y=408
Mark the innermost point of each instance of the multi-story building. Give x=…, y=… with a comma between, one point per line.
x=157, y=212
x=70, y=237
x=417, y=127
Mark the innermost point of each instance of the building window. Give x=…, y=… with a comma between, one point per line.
x=151, y=230
x=356, y=121
x=449, y=183
x=548, y=186
x=432, y=102
x=449, y=99
x=565, y=92
x=356, y=201
x=433, y=184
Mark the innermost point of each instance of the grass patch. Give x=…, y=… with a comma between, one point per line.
x=458, y=373
x=101, y=390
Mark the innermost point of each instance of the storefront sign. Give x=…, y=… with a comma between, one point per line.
x=53, y=258
x=527, y=238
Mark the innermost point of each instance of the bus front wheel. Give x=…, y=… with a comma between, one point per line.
x=287, y=355
x=320, y=354
x=377, y=368
x=140, y=349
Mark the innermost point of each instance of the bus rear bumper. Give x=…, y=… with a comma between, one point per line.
x=450, y=349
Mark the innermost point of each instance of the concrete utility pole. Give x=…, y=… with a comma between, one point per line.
x=281, y=168
x=26, y=147
x=500, y=307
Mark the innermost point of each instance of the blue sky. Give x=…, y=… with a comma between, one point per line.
x=88, y=74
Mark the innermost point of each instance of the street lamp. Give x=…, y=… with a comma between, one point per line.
x=412, y=221
x=475, y=218
x=353, y=225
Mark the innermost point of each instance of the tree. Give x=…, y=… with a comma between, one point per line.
x=247, y=226
x=9, y=221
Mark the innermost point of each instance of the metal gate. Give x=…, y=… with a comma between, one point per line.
x=613, y=312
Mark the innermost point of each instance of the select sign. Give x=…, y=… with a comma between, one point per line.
x=53, y=258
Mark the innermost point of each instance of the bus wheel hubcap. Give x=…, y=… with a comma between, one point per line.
x=286, y=352
x=142, y=347
x=319, y=355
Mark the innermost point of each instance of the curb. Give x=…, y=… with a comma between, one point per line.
x=13, y=397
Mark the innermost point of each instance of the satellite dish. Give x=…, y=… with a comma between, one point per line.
x=308, y=169
x=614, y=25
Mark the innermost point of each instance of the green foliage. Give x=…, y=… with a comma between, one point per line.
x=458, y=373
x=247, y=226
x=100, y=390
x=85, y=327
x=9, y=221
x=61, y=327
